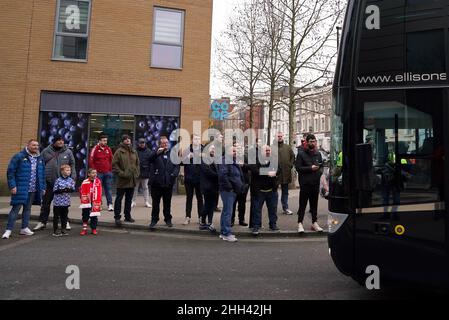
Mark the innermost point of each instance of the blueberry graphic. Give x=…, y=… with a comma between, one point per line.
x=54, y=131
x=54, y=122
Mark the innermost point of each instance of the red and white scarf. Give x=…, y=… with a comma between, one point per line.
x=90, y=193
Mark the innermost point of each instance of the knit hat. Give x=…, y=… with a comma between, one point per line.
x=57, y=137
x=125, y=137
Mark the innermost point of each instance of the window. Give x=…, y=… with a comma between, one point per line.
x=168, y=38
x=405, y=130
x=71, y=30
x=408, y=49
x=322, y=124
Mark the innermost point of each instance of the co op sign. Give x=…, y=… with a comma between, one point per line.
x=220, y=109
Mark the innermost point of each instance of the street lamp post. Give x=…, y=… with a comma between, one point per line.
x=338, y=37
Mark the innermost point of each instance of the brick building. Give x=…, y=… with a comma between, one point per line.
x=79, y=68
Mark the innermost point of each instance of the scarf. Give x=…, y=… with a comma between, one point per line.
x=90, y=193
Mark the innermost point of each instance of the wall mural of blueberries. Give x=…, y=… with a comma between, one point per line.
x=74, y=128
x=152, y=127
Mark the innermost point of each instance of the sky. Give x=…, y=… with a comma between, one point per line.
x=222, y=12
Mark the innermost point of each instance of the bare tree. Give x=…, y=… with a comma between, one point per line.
x=241, y=55
x=308, y=29
x=275, y=67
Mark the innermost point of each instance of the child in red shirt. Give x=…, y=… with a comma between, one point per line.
x=90, y=193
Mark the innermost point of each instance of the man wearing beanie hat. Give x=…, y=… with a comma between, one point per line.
x=54, y=156
x=125, y=165
x=144, y=159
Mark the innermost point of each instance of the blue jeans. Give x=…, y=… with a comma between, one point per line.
x=25, y=214
x=106, y=181
x=228, y=199
x=271, y=198
x=284, y=196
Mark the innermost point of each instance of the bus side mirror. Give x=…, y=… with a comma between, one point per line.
x=364, y=167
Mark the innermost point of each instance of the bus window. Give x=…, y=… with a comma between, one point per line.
x=407, y=47
x=405, y=133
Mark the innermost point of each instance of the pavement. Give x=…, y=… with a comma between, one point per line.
x=142, y=215
x=132, y=264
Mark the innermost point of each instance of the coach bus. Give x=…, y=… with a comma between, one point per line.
x=390, y=137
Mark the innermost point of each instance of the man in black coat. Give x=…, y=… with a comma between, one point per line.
x=209, y=188
x=192, y=164
x=264, y=180
x=309, y=165
x=144, y=160
x=163, y=176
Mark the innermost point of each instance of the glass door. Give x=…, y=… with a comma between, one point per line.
x=400, y=220
x=112, y=125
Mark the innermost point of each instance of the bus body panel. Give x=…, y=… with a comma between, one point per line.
x=404, y=118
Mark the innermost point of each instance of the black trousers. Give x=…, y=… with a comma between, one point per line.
x=158, y=193
x=209, y=207
x=251, y=209
x=60, y=213
x=191, y=189
x=217, y=199
x=86, y=217
x=46, y=203
x=310, y=194
x=128, y=193
x=240, y=202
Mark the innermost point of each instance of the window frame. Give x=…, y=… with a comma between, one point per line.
x=153, y=42
x=67, y=34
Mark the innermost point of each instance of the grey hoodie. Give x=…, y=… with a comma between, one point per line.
x=54, y=160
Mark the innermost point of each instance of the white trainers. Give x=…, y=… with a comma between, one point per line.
x=148, y=205
x=133, y=204
x=300, y=228
x=68, y=227
x=186, y=221
x=288, y=212
x=110, y=207
x=26, y=232
x=230, y=238
x=7, y=234
x=316, y=227
x=40, y=226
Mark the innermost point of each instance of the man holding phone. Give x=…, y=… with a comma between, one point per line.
x=309, y=164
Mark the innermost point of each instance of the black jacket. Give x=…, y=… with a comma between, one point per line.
x=209, y=178
x=163, y=172
x=231, y=178
x=263, y=182
x=144, y=159
x=304, y=161
x=192, y=171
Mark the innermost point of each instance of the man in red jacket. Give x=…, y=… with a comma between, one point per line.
x=100, y=159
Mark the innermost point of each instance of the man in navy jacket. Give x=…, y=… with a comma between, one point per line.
x=26, y=181
x=231, y=183
x=163, y=176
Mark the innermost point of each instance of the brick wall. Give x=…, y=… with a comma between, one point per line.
x=118, y=61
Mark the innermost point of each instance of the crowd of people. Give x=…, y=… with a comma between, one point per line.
x=36, y=178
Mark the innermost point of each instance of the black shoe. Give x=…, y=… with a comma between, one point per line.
x=169, y=224
x=243, y=224
x=275, y=229
x=130, y=220
x=118, y=223
x=217, y=209
x=255, y=231
x=153, y=225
